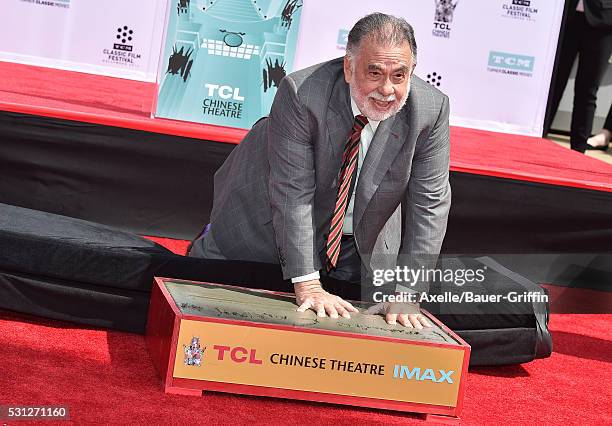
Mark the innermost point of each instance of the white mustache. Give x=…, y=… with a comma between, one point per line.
x=379, y=97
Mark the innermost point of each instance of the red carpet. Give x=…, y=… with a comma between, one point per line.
x=106, y=377
x=526, y=158
x=127, y=103
x=175, y=246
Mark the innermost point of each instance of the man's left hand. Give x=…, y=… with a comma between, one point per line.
x=407, y=314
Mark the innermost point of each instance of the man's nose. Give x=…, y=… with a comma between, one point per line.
x=386, y=89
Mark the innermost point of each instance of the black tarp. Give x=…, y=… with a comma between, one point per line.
x=156, y=184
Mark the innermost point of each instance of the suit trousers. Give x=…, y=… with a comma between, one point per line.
x=205, y=248
x=347, y=270
x=593, y=47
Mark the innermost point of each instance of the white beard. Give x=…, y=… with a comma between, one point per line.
x=370, y=111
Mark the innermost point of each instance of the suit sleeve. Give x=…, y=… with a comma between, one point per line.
x=292, y=182
x=428, y=199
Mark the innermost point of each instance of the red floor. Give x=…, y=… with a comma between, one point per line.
x=127, y=103
x=106, y=377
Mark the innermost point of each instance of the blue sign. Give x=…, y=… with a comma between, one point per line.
x=342, y=38
x=224, y=60
x=511, y=61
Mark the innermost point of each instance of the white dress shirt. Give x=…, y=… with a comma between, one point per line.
x=367, y=134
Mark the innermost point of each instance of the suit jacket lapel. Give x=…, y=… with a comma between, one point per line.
x=339, y=116
x=389, y=138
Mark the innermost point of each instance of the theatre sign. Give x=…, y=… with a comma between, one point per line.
x=205, y=336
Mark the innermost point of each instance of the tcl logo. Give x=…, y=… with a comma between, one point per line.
x=224, y=92
x=237, y=354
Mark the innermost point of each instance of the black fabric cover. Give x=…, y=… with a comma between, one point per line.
x=503, y=346
x=497, y=215
x=143, y=182
x=54, y=246
x=154, y=184
x=70, y=269
x=79, y=302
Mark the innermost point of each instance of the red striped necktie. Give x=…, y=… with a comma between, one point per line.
x=349, y=164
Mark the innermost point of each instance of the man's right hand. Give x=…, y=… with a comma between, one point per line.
x=311, y=295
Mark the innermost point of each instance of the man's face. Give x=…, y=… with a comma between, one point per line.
x=379, y=78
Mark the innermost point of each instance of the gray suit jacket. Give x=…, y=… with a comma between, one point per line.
x=275, y=194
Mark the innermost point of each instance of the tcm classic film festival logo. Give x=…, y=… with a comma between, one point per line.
x=63, y=4
x=511, y=64
x=122, y=52
x=519, y=9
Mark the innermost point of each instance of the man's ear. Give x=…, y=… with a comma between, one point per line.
x=348, y=75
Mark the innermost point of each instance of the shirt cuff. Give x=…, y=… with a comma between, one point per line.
x=403, y=289
x=314, y=276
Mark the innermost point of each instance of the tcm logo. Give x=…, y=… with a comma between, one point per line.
x=342, y=38
x=237, y=354
x=224, y=92
x=511, y=61
x=519, y=9
x=404, y=372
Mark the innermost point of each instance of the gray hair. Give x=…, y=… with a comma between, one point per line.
x=387, y=30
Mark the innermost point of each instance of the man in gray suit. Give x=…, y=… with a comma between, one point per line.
x=357, y=144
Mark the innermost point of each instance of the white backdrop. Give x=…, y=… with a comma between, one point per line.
x=494, y=58
x=81, y=35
